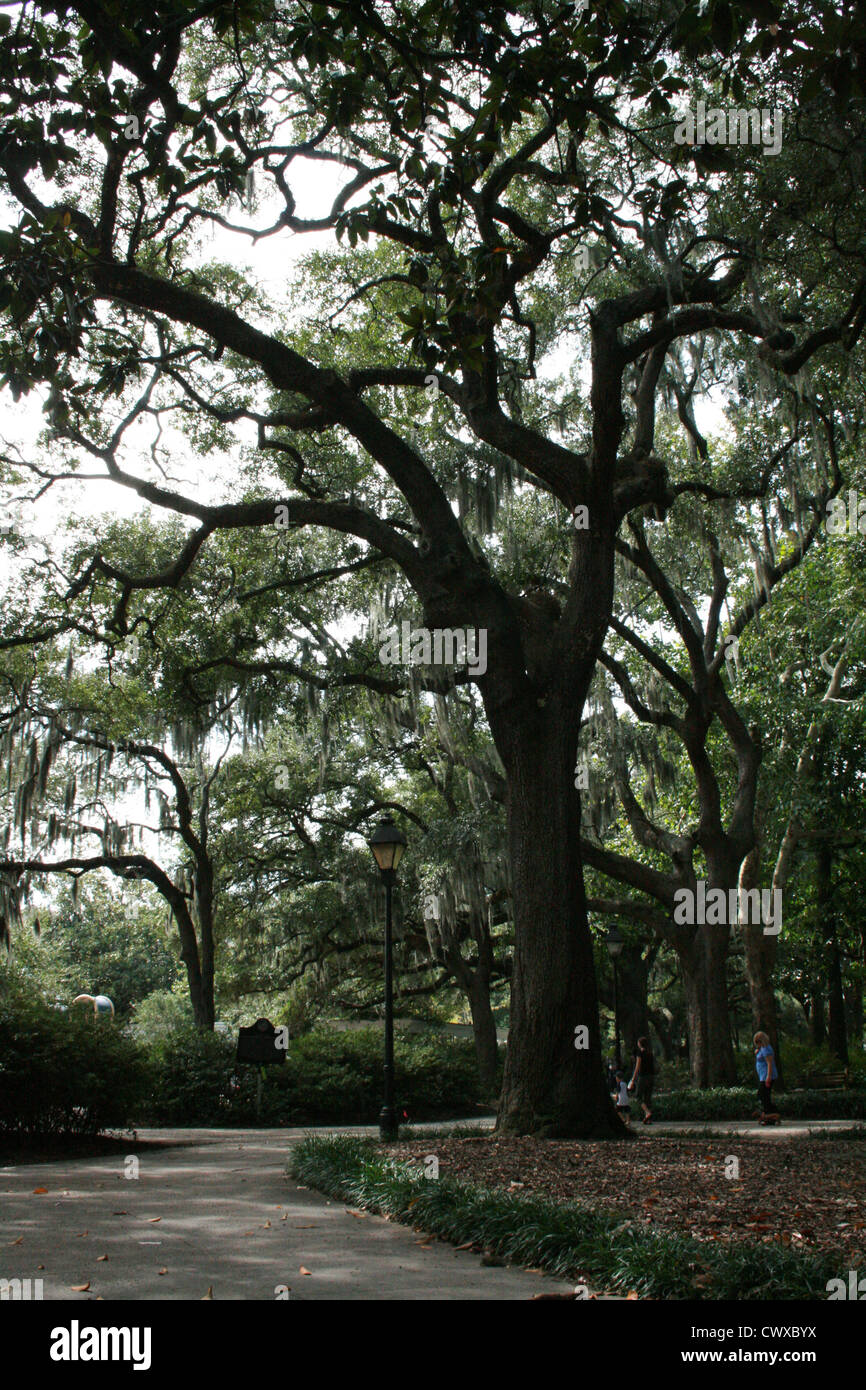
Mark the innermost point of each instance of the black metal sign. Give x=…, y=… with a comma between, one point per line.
x=262, y=1043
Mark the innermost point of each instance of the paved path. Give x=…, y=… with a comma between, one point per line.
x=785, y=1129
x=214, y=1209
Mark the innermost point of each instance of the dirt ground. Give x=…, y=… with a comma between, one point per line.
x=804, y=1193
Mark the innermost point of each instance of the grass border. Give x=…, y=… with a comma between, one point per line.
x=571, y=1240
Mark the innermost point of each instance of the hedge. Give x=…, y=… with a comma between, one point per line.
x=64, y=1074
x=327, y=1078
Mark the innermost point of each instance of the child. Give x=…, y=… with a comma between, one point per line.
x=623, y=1109
x=765, y=1066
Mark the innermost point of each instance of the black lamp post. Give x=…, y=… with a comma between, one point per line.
x=388, y=844
x=615, y=943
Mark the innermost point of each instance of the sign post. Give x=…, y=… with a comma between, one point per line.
x=262, y=1045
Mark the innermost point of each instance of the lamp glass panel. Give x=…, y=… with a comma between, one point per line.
x=384, y=855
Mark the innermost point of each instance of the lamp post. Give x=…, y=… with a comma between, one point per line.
x=615, y=943
x=388, y=844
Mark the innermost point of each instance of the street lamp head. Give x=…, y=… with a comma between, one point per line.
x=387, y=844
x=615, y=942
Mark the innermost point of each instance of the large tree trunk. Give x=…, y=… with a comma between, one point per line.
x=703, y=963
x=722, y=872
x=721, y=1067
x=552, y=1087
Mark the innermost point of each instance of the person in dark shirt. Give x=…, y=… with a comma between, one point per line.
x=643, y=1077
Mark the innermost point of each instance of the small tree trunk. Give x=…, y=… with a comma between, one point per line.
x=817, y=1024
x=484, y=1032
x=199, y=981
x=760, y=958
x=854, y=1003
x=206, y=932
x=633, y=987
x=693, y=970
x=662, y=1022
x=837, y=1032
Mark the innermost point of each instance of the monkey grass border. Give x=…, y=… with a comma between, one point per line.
x=571, y=1240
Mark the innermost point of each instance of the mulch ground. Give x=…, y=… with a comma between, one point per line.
x=802, y=1193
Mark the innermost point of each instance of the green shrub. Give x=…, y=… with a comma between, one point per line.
x=159, y=1016
x=63, y=1074
x=327, y=1078
x=740, y=1102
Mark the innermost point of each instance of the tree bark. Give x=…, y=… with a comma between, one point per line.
x=551, y=1087
x=484, y=1032
x=693, y=969
x=817, y=1023
x=721, y=1067
x=854, y=1002
x=662, y=1022
x=837, y=1031
x=634, y=968
x=760, y=957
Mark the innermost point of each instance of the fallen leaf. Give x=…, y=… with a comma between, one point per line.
x=303, y=1270
x=162, y=1271
x=38, y=1191
x=16, y=1242
x=209, y=1293
x=100, y=1258
x=120, y=1213
x=630, y=1297
x=358, y=1215
x=266, y=1225
x=152, y=1220
x=82, y=1233
x=81, y=1288
x=40, y=1266
x=311, y=1227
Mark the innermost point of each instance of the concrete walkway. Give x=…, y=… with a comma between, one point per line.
x=785, y=1129
x=214, y=1210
